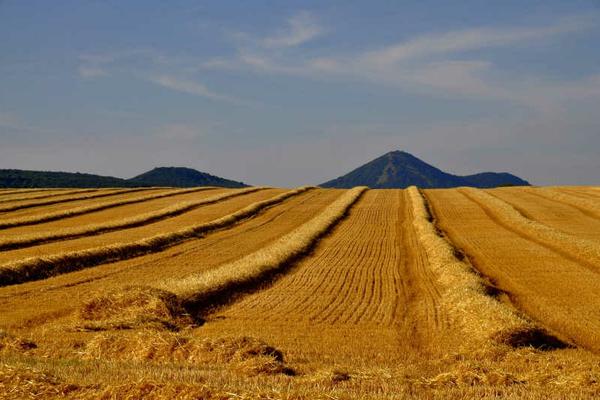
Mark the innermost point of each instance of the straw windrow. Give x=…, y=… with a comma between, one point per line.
x=200, y=290
x=587, y=252
x=73, y=212
x=115, y=192
x=587, y=206
x=38, y=196
x=464, y=295
x=139, y=220
x=34, y=268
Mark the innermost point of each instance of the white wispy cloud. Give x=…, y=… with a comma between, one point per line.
x=191, y=87
x=155, y=67
x=300, y=29
x=443, y=63
x=470, y=39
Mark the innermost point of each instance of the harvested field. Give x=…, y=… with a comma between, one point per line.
x=175, y=262
x=552, y=212
x=552, y=286
x=62, y=212
x=304, y=294
x=21, y=192
x=72, y=219
x=94, y=250
x=64, y=198
x=356, y=279
x=113, y=221
x=42, y=195
x=585, y=204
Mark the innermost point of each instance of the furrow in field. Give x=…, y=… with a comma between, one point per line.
x=48, y=194
x=360, y=275
x=174, y=210
x=40, y=267
x=554, y=290
x=68, y=211
x=65, y=293
x=68, y=199
x=278, y=302
x=586, y=252
x=427, y=287
x=553, y=213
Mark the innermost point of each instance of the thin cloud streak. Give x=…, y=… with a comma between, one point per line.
x=193, y=88
x=301, y=28
x=471, y=39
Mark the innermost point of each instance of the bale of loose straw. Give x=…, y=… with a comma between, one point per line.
x=463, y=296
x=138, y=220
x=584, y=250
x=39, y=218
x=34, y=268
x=199, y=290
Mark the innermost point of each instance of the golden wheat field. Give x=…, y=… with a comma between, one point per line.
x=307, y=293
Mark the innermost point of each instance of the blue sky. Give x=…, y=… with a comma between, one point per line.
x=299, y=92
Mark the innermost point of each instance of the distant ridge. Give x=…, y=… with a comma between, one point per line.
x=164, y=176
x=399, y=169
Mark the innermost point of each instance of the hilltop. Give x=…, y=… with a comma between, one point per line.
x=399, y=169
x=182, y=177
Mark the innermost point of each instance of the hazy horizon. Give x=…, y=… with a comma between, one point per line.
x=294, y=93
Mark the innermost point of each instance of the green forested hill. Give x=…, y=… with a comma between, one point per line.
x=168, y=176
